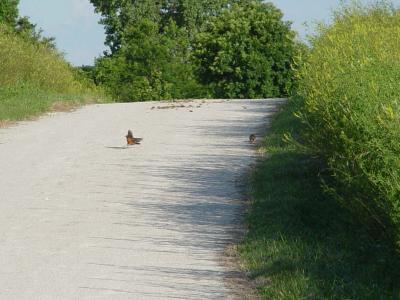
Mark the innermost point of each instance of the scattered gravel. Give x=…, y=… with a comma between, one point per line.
x=85, y=217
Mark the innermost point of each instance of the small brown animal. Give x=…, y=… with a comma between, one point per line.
x=252, y=138
x=130, y=140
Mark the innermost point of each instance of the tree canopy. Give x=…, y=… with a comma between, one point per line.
x=117, y=15
x=167, y=49
x=246, y=52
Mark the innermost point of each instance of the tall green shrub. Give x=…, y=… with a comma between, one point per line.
x=350, y=83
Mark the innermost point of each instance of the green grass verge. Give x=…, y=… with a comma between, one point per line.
x=19, y=103
x=301, y=243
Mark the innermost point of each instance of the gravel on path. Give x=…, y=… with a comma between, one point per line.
x=85, y=217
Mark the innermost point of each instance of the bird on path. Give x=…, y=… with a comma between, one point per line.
x=130, y=140
x=252, y=138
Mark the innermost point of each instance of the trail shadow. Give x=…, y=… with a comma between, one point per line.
x=122, y=147
x=196, y=200
x=116, y=147
x=302, y=231
x=302, y=239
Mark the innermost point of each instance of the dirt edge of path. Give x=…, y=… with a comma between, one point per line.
x=241, y=285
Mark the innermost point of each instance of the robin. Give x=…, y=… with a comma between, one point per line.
x=130, y=140
x=252, y=138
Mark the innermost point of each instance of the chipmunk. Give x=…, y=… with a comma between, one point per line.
x=130, y=140
x=252, y=138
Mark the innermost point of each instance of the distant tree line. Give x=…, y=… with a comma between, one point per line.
x=168, y=49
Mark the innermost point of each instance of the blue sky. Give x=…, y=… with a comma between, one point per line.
x=75, y=25
x=72, y=22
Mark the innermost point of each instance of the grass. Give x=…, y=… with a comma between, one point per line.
x=21, y=102
x=301, y=243
x=35, y=78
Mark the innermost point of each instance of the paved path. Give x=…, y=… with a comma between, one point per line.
x=83, y=217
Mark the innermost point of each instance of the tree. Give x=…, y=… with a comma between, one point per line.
x=9, y=15
x=246, y=52
x=149, y=66
x=9, y=12
x=188, y=14
x=149, y=56
x=28, y=31
x=239, y=48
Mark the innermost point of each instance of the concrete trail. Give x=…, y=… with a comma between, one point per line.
x=84, y=217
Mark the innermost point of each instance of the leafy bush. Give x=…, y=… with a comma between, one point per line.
x=247, y=52
x=351, y=86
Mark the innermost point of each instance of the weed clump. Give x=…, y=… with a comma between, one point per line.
x=350, y=83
